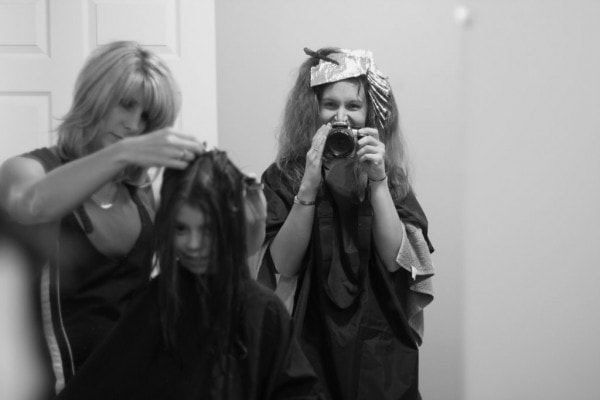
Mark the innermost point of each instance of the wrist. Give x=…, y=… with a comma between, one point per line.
x=302, y=202
x=376, y=180
x=305, y=194
x=116, y=156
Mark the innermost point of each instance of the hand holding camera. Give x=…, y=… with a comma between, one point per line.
x=343, y=142
x=370, y=152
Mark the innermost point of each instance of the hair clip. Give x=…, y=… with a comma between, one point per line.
x=314, y=54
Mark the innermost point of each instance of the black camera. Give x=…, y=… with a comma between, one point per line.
x=342, y=140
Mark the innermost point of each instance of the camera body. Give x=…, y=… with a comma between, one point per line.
x=342, y=140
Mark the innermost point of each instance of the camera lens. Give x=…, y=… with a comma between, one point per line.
x=339, y=143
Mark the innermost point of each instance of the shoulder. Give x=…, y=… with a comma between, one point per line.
x=272, y=172
x=277, y=183
x=258, y=295
x=19, y=171
x=261, y=302
x=267, y=324
x=34, y=163
x=47, y=157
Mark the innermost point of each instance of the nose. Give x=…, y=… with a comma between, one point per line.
x=133, y=122
x=194, y=241
x=341, y=115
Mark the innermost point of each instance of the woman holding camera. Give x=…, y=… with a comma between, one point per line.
x=346, y=242
x=83, y=209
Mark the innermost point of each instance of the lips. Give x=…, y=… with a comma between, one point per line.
x=116, y=136
x=196, y=263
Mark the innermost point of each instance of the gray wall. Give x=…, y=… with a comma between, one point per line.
x=259, y=48
x=531, y=100
x=501, y=117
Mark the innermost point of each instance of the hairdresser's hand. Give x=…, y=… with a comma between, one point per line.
x=314, y=160
x=162, y=148
x=371, y=153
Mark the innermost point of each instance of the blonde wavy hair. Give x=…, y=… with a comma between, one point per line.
x=112, y=74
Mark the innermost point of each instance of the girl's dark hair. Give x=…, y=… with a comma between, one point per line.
x=213, y=185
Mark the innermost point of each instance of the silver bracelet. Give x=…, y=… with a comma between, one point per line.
x=302, y=202
x=378, y=180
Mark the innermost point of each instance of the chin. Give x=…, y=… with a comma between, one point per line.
x=195, y=268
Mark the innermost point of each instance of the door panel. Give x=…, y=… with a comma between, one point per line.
x=43, y=44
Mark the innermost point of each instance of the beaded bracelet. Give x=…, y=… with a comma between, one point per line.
x=302, y=202
x=378, y=180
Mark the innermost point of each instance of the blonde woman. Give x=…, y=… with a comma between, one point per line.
x=83, y=208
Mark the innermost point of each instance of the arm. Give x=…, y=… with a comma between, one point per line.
x=290, y=243
x=388, y=231
x=31, y=196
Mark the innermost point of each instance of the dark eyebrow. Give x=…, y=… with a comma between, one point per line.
x=325, y=98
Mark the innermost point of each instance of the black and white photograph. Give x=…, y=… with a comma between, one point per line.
x=284, y=199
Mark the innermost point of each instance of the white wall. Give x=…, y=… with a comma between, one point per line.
x=531, y=206
x=502, y=120
x=259, y=48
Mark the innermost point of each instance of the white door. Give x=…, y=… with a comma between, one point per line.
x=43, y=44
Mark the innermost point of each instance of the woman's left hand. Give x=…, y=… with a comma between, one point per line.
x=371, y=153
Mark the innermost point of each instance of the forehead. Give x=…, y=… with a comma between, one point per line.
x=347, y=89
x=190, y=216
x=134, y=91
x=138, y=87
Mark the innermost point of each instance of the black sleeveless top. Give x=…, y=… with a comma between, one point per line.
x=83, y=292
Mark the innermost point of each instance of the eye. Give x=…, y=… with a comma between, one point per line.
x=328, y=104
x=128, y=104
x=144, y=116
x=355, y=106
x=180, y=229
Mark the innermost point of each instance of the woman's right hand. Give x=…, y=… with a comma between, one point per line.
x=161, y=148
x=314, y=160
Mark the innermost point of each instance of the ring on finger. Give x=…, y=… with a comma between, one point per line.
x=182, y=156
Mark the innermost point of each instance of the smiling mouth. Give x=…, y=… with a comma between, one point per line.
x=198, y=265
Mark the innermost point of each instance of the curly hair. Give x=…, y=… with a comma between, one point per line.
x=301, y=121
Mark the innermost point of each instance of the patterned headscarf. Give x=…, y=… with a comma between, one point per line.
x=351, y=64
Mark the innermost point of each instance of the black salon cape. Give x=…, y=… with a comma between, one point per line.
x=361, y=347
x=134, y=364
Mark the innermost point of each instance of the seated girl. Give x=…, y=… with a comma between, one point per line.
x=202, y=329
